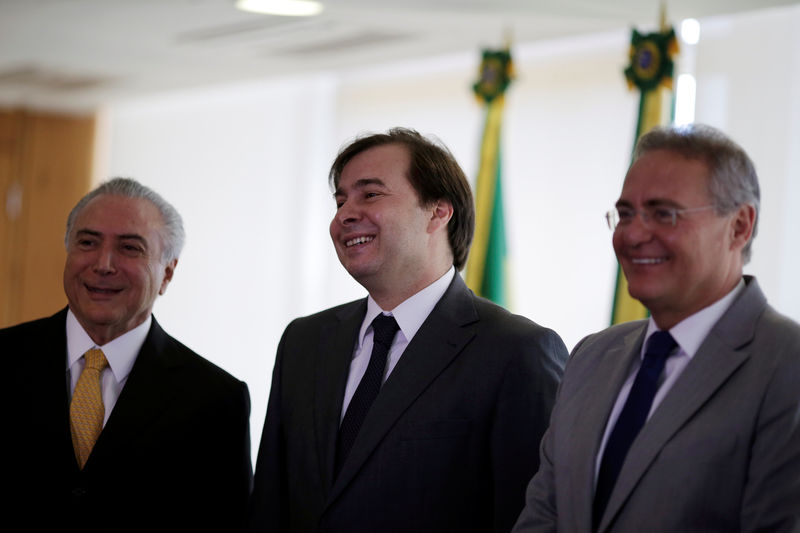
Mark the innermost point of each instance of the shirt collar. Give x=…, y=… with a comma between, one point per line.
x=413, y=311
x=121, y=352
x=690, y=332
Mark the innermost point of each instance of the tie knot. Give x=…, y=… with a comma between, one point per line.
x=660, y=344
x=95, y=359
x=384, y=328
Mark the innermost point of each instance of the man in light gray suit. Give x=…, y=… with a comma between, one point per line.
x=702, y=434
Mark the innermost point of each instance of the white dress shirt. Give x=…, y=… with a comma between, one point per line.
x=121, y=354
x=689, y=333
x=410, y=315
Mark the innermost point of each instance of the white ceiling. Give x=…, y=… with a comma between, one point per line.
x=78, y=54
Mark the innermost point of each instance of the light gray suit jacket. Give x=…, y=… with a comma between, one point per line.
x=721, y=453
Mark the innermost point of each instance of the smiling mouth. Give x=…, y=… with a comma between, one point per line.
x=648, y=260
x=100, y=290
x=358, y=240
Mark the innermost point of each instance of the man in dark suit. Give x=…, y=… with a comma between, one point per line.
x=687, y=421
x=466, y=390
x=113, y=425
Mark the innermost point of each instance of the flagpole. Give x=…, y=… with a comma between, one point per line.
x=486, y=267
x=650, y=71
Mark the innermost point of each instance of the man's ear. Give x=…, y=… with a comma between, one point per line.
x=441, y=213
x=169, y=270
x=742, y=225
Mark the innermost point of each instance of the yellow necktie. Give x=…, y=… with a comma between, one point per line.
x=86, y=411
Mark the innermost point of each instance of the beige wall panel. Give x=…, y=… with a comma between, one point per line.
x=52, y=172
x=10, y=213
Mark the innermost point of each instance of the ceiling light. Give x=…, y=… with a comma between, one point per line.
x=685, y=97
x=291, y=8
x=690, y=31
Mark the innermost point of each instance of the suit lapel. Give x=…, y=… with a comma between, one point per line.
x=47, y=358
x=146, y=394
x=598, y=396
x=720, y=355
x=335, y=350
x=440, y=339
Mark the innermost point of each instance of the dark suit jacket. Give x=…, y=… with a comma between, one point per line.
x=173, y=456
x=448, y=445
x=721, y=453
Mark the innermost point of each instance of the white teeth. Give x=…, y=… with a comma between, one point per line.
x=647, y=261
x=357, y=240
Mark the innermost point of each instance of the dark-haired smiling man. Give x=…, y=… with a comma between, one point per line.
x=416, y=408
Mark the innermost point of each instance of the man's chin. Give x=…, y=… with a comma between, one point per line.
x=360, y=271
x=99, y=319
x=644, y=293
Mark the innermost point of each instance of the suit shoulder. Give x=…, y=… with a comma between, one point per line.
x=202, y=369
x=337, y=310
x=781, y=326
x=604, y=338
x=34, y=327
x=516, y=331
x=326, y=316
x=778, y=340
x=504, y=322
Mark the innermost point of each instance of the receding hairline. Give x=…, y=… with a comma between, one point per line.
x=160, y=228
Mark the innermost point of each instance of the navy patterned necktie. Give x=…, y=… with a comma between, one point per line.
x=384, y=329
x=631, y=419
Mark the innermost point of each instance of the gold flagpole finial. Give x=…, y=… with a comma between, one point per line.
x=508, y=37
x=662, y=22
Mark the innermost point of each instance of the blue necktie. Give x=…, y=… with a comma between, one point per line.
x=384, y=329
x=631, y=418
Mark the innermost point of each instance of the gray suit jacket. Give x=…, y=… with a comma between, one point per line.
x=720, y=453
x=445, y=446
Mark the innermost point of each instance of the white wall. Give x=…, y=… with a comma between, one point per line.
x=748, y=82
x=247, y=166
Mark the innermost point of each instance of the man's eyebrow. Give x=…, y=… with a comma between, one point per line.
x=360, y=184
x=660, y=202
x=122, y=237
x=653, y=202
x=86, y=231
x=363, y=182
x=132, y=236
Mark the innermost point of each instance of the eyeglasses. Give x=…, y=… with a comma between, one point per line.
x=662, y=216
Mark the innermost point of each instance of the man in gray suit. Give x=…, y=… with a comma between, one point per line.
x=701, y=433
x=467, y=387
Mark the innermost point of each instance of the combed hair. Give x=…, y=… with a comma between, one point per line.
x=733, y=180
x=172, y=232
x=433, y=173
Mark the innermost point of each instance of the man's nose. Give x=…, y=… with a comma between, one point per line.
x=105, y=261
x=347, y=213
x=639, y=229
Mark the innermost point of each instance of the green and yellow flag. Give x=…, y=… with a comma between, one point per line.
x=650, y=71
x=486, y=266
